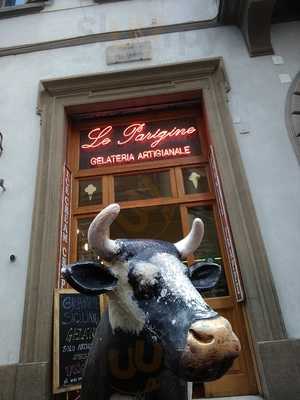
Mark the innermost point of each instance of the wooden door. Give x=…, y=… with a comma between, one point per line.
x=159, y=200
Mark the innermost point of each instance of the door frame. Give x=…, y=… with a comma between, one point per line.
x=57, y=98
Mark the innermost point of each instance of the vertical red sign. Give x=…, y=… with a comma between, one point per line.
x=64, y=245
x=73, y=395
x=237, y=283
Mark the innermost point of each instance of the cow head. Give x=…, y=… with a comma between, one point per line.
x=151, y=289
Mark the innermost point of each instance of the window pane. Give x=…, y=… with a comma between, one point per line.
x=209, y=249
x=9, y=3
x=159, y=222
x=90, y=192
x=195, y=180
x=83, y=250
x=142, y=186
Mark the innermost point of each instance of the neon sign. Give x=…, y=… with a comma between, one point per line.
x=145, y=155
x=142, y=142
x=134, y=133
x=98, y=137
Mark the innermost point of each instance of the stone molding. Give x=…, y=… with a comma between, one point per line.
x=8, y=381
x=280, y=361
x=292, y=114
x=252, y=16
x=58, y=97
x=255, y=24
x=25, y=381
x=254, y=20
x=104, y=37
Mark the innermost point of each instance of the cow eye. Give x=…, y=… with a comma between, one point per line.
x=146, y=291
x=144, y=288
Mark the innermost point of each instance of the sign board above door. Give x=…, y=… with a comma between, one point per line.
x=108, y=145
x=128, y=52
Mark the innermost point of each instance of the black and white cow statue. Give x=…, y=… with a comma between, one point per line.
x=158, y=332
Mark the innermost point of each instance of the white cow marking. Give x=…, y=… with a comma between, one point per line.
x=123, y=311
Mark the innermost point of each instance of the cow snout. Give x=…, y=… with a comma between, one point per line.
x=211, y=349
x=216, y=333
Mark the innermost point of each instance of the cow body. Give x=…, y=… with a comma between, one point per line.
x=158, y=332
x=130, y=365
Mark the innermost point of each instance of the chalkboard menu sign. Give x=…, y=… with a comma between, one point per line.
x=76, y=317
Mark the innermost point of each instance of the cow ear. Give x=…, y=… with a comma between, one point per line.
x=89, y=277
x=204, y=275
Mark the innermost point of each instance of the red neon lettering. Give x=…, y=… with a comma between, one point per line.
x=93, y=161
x=98, y=137
x=130, y=132
x=136, y=133
x=164, y=153
x=187, y=150
x=145, y=155
x=112, y=159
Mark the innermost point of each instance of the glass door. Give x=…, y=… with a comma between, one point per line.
x=162, y=181
x=162, y=204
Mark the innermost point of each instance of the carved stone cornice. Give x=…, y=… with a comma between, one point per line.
x=229, y=11
x=167, y=74
x=254, y=20
x=292, y=112
x=252, y=16
x=256, y=26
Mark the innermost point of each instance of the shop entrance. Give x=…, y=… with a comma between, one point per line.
x=154, y=161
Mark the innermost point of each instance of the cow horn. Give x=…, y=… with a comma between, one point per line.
x=98, y=233
x=192, y=241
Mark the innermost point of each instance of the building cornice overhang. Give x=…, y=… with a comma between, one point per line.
x=253, y=17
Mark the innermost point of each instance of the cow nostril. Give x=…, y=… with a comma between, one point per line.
x=202, y=337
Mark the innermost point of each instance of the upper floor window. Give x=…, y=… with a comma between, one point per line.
x=12, y=3
x=191, y=10
x=14, y=8
x=285, y=11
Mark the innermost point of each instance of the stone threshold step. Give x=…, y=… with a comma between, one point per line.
x=232, y=398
